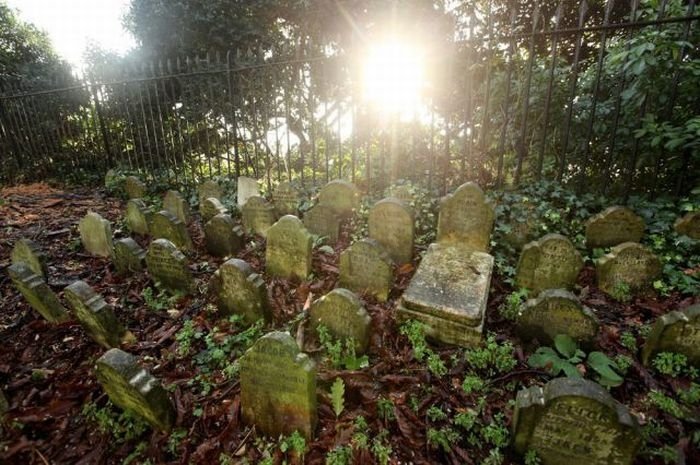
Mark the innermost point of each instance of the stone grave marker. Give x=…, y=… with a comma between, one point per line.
x=322, y=221
x=689, y=225
x=134, y=187
x=391, y=224
x=466, y=218
x=614, y=226
x=549, y=263
x=676, y=331
x=209, y=189
x=96, y=235
x=366, y=267
x=129, y=257
x=402, y=192
x=448, y=293
x=174, y=203
x=210, y=208
x=628, y=266
x=288, y=252
x=258, y=215
x=222, y=237
x=138, y=216
x=37, y=293
x=28, y=252
x=345, y=317
x=278, y=387
x=574, y=421
x=166, y=226
x=247, y=188
x=134, y=389
x=241, y=291
x=286, y=199
x=167, y=265
x=342, y=196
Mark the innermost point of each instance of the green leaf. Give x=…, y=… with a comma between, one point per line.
x=605, y=367
x=338, y=396
x=546, y=358
x=565, y=345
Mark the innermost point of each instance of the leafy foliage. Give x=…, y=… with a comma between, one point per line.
x=338, y=396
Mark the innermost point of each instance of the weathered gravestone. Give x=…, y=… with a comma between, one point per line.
x=129, y=257
x=322, y=221
x=210, y=208
x=342, y=196
x=689, y=225
x=286, y=199
x=174, y=203
x=343, y=314
x=166, y=226
x=614, y=226
x=246, y=188
x=466, y=218
x=134, y=187
x=37, y=293
x=404, y=193
x=629, y=267
x=278, y=387
x=167, y=265
x=95, y=316
x=574, y=421
x=134, y=389
x=28, y=252
x=448, y=294
x=677, y=332
x=366, y=267
x=391, y=224
x=209, y=189
x=241, y=291
x=258, y=215
x=521, y=225
x=96, y=235
x=288, y=252
x=557, y=311
x=222, y=236
x=549, y=263
x=138, y=216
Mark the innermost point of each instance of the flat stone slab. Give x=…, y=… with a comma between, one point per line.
x=342, y=312
x=96, y=235
x=129, y=257
x=174, y=203
x=342, y=196
x=288, y=250
x=365, y=267
x=466, y=218
x=134, y=187
x=241, y=291
x=29, y=253
x=614, y=226
x=165, y=225
x=549, y=263
x=258, y=216
x=211, y=207
x=322, y=221
x=167, y=265
x=286, y=199
x=37, y=293
x=689, y=225
x=630, y=265
x=138, y=217
x=222, y=236
x=209, y=189
x=391, y=224
x=246, y=188
x=677, y=331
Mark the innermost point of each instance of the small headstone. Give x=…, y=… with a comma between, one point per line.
x=288, y=252
x=448, y=294
x=343, y=314
x=574, y=421
x=466, y=218
x=129, y=257
x=134, y=389
x=138, y=216
x=166, y=226
x=111, y=177
x=247, y=188
x=222, y=237
x=258, y=215
x=96, y=235
x=210, y=208
x=614, y=226
x=342, y=196
x=28, y=252
x=286, y=199
x=391, y=224
x=557, y=311
x=322, y=221
x=677, y=332
x=366, y=267
x=629, y=265
x=177, y=205
x=549, y=263
x=37, y=293
x=689, y=225
x=209, y=189
x=167, y=265
x=241, y=291
x=134, y=187
x=278, y=387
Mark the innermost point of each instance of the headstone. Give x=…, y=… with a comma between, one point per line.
x=574, y=421
x=37, y=293
x=448, y=293
x=614, y=226
x=96, y=235
x=689, y=225
x=166, y=226
x=222, y=237
x=258, y=215
x=247, y=188
x=111, y=177
x=630, y=265
x=557, y=311
x=466, y=218
x=286, y=199
x=322, y=221
x=278, y=387
x=241, y=291
x=521, y=226
x=210, y=208
x=167, y=265
x=677, y=332
x=134, y=187
x=343, y=314
x=288, y=252
x=391, y=224
x=365, y=267
x=138, y=216
x=129, y=257
x=342, y=196
x=549, y=263
x=177, y=205
x=28, y=252
x=402, y=192
x=134, y=389
x=209, y=189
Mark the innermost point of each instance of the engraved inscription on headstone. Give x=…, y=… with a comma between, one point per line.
x=96, y=235
x=239, y=290
x=167, y=265
x=258, y=215
x=247, y=188
x=549, y=263
x=342, y=196
x=222, y=237
x=466, y=218
x=629, y=265
x=677, y=332
x=207, y=190
x=322, y=221
x=391, y=224
x=343, y=314
x=28, y=252
x=37, y=293
x=689, y=225
x=138, y=216
x=129, y=257
x=134, y=187
x=177, y=205
x=286, y=199
x=288, y=252
x=365, y=267
x=614, y=226
x=166, y=226
x=210, y=208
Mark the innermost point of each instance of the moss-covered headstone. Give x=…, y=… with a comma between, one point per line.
x=177, y=205
x=241, y=291
x=129, y=257
x=28, y=252
x=365, y=267
x=96, y=235
x=322, y=221
x=165, y=225
x=677, y=331
x=466, y=218
x=209, y=189
x=167, y=265
x=391, y=224
x=210, y=208
x=614, y=226
x=549, y=263
x=222, y=237
x=628, y=268
x=246, y=188
x=342, y=196
x=689, y=225
x=138, y=216
x=134, y=187
x=345, y=317
x=258, y=215
x=37, y=293
x=288, y=252
x=286, y=199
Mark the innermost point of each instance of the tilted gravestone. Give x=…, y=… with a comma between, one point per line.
x=391, y=224
x=96, y=235
x=174, y=203
x=574, y=421
x=210, y=208
x=134, y=389
x=322, y=221
x=241, y=291
x=258, y=215
x=689, y=225
x=134, y=187
x=167, y=265
x=288, y=252
x=222, y=237
x=629, y=267
x=209, y=189
x=448, y=293
x=278, y=387
x=286, y=199
x=138, y=216
x=166, y=226
x=549, y=263
x=365, y=267
x=246, y=188
x=557, y=311
x=343, y=314
x=342, y=196
x=28, y=252
x=37, y=293
x=677, y=332
x=129, y=257
x=466, y=218
x=614, y=226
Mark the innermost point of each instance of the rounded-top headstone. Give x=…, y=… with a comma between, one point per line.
x=241, y=291
x=677, y=332
x=614, y=226
x=177, y=205
x=167, y=265
x=689, y=225
x=134, y=187
x=549, y=263
x=629, y=265
x=209, y=189
x=222, y=236
x=37, y=293
x=96, y=235
x=288, y=250
x=466, y=218
x=322, y=221
x=28, y=252
x=342, y=196
x=391, y=224
x=246, y=188
x=286, y=199
x=138, y=216
x=128, y=256
x=366, y=267
x=211, y=207
x=258, y=215
x=165, y=225
x=342, y=312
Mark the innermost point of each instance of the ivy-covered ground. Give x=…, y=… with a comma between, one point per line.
x=409, y=401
